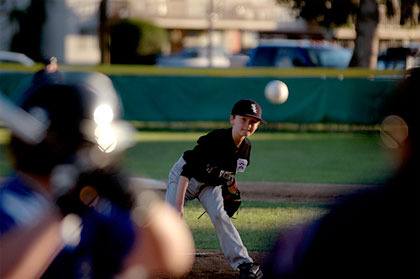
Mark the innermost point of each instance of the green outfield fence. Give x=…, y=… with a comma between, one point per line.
x=204, y=96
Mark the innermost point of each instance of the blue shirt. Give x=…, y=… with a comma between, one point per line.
x=106, y=237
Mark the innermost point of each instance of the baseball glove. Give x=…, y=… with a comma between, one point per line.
x=231, y=199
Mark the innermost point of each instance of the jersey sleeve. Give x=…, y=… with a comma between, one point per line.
x=194, y=158
x=6, y=222
x=20, y=205
x=200, y=157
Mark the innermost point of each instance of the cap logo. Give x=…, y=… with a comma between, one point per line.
x=254, y=108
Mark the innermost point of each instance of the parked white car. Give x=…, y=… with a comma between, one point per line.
x=15, y=57
x=196, y=57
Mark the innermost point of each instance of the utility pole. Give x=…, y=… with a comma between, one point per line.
x=211, y=16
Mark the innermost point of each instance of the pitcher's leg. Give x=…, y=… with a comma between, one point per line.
x=229, y=238
x=173, y=178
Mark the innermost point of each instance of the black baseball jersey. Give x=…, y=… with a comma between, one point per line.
x=216, y=149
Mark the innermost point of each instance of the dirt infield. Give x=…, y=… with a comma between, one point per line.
x=212, y=264
x=275, y=191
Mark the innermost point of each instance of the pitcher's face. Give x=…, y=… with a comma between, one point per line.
x=244, y=126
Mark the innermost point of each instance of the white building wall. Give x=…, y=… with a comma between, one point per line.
x=70, y=31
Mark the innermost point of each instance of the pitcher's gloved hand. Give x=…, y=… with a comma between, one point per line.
x=220, y=176
x=231, y=198
x=228, y=178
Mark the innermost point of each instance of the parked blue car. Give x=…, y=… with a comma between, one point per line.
x=299, y=53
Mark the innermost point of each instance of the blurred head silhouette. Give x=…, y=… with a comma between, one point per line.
x=400, y=128
x=79, y=115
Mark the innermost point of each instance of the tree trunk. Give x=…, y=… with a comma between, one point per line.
x=28, y=39
x=104, y=32
x=366, y=43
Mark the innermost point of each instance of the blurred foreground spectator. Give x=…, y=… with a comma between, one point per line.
x=373, y=233
x=68, y=211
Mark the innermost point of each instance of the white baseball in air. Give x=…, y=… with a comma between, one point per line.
x=276, y=92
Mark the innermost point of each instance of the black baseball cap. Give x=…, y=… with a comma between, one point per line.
x=247, y=107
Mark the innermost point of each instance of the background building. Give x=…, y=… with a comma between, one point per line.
x=71, y=26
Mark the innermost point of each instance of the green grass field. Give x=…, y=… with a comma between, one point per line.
x=280, y=156
x=285, y=157
x=257, y=222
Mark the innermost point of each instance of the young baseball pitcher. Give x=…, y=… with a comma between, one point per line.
x=211, y=166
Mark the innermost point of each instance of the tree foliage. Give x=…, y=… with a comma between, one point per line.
x=136, y=42
x=330, y=13
x=365, y=16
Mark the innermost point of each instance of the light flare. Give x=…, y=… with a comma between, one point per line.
x=106, y=138
x=103, y=114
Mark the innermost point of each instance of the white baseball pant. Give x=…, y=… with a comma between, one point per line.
x=211, y=199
